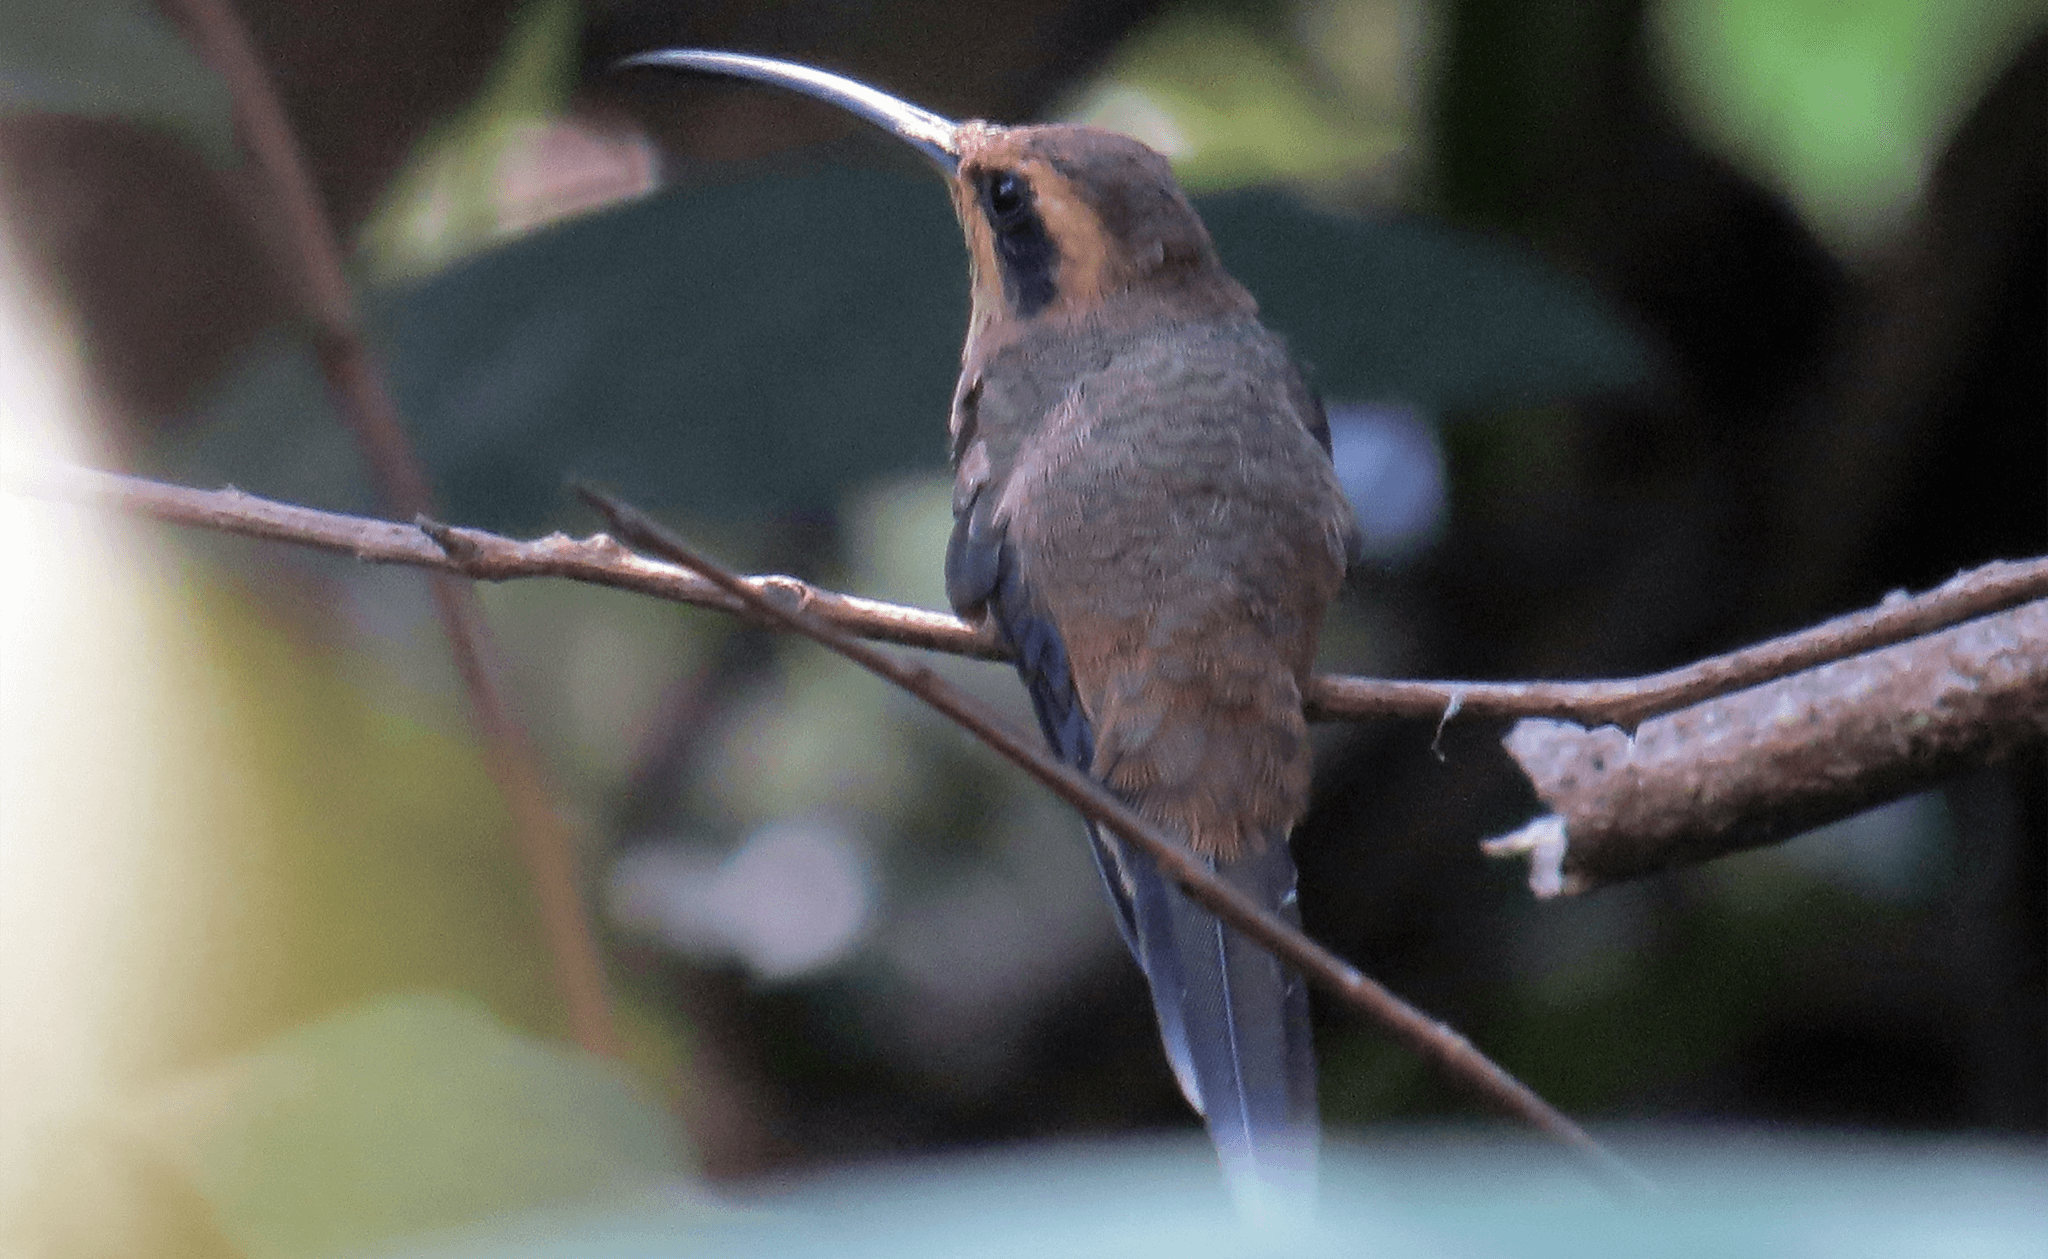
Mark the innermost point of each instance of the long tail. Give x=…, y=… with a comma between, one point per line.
x=1235, y=1024
x=1233, y=1019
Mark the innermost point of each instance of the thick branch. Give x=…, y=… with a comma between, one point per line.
x=1767, y=763
x=1434, y=1041
x=309, y=255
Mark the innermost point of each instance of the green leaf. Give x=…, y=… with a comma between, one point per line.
x=747, y=349
x=110, y=57
x=1420, y=311
x=1842, y=105
x=1232, y=106
x=407, y=1113
x=443, y=204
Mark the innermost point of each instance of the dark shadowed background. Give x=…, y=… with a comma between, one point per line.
x=1648, y=330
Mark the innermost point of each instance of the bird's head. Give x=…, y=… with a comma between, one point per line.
x=1064, y=224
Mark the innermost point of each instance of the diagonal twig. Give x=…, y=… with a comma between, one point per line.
x=309, y=255
x=602, y=562
x=1433, y=1040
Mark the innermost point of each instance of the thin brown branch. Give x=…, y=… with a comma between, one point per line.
x=309, y=255
x=601, y=562
x=484, y=556
x=1628, y=701
x=598, y=560
x=1770, y=762
x=1433, y=1040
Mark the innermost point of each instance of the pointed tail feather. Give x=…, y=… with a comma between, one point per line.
x=1235, y=1023
x=1234, y=1020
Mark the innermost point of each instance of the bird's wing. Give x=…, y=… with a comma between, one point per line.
x=1234, y=1020
x=981, y=573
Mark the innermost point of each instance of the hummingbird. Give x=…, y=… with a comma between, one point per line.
x=1145, y=509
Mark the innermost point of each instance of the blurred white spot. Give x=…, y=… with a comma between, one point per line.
x=106, y=756
x=559, y=167
x=1543, y=842
x=978, y=958
x=497, y=178
x=793, y=898
x=1391, y=465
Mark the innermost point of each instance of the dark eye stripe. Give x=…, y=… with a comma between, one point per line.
x=1028, y=255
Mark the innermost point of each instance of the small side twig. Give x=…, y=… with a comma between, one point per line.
x=309, y=255
x=1433, y=1040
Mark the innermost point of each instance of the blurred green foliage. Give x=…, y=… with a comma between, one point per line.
x=410, y=1112
x=444, y=205
x=111, y=58
x=1844, y=106
x=1234, y=104
x=783, y=339
x=740, y=350
x=1426, y=1195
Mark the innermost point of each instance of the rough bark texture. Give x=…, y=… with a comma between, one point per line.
x=1767, y=763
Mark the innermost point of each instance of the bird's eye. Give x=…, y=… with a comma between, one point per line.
x=1008, y=197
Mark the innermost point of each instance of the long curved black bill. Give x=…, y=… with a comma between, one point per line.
x=921, y=129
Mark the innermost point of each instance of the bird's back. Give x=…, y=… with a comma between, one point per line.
x=1172, y=511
